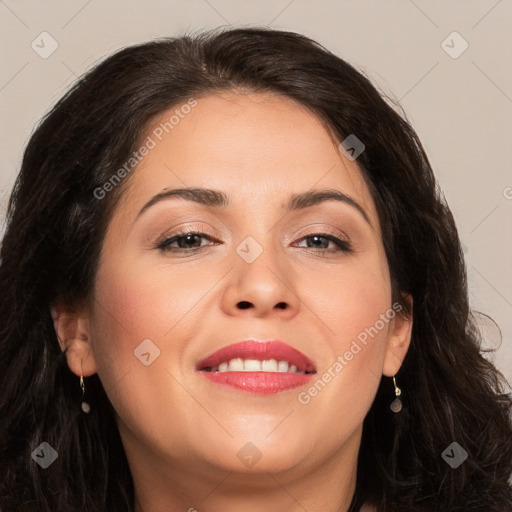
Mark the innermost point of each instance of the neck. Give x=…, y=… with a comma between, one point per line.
x=165, y=485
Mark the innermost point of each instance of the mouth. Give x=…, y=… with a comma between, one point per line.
x=258, y=367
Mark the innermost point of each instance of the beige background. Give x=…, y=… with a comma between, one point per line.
x=461, y=107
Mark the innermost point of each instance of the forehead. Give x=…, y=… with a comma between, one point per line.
x=257, y=147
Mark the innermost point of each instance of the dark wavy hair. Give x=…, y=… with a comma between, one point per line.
x=55, y=230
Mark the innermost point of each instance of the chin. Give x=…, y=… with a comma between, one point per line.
x=252, y=462
x=245, y=456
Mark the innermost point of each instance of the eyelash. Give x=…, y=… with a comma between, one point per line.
x=343, y=245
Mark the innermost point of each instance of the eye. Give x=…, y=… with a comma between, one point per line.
x=187, y=241
x=190, y=241
x=321, y=241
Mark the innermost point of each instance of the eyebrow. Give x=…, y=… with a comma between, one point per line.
x=218, y=199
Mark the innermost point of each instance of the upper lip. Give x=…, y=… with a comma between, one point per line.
x=260, y=351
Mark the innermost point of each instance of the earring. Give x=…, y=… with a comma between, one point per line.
x=85, y=406
x=396, y=404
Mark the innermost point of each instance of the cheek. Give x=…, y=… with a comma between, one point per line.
x=138, y=304
x=129, y=310
x=350, y=300
x=354, y=306
x=135, y=303
x=136, y=314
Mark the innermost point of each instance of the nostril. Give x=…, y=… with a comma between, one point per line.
x=244, y=304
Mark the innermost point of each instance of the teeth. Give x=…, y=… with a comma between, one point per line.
x=253, y=365
x=269, y=365
x=236, y=365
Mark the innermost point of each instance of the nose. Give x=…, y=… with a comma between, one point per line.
x=265, y=287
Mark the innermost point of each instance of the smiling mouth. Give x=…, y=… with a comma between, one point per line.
x=258, y=367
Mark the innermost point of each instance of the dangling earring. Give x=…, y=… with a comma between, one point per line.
x=396, y=404
x=85, y=406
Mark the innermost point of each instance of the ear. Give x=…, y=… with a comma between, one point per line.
x=399, y=339
x=73, y=332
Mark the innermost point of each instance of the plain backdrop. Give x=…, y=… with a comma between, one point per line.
x=448, y=64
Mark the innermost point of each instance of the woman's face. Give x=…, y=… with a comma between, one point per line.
x=258, y=273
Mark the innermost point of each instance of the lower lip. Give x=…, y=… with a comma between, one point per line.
x=259, y=382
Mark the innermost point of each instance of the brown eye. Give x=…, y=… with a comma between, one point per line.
x=185, y=241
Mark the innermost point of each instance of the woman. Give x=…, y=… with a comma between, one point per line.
x=230, y=282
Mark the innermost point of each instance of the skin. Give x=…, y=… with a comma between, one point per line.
x=180, y=432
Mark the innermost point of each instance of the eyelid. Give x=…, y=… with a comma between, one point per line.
x=185, y=231
x=316, y=229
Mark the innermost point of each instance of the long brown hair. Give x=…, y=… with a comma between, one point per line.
x=56, y=226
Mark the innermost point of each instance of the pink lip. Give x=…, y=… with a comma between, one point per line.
x=258, y=382
x=260, y=351
x=263, y=383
